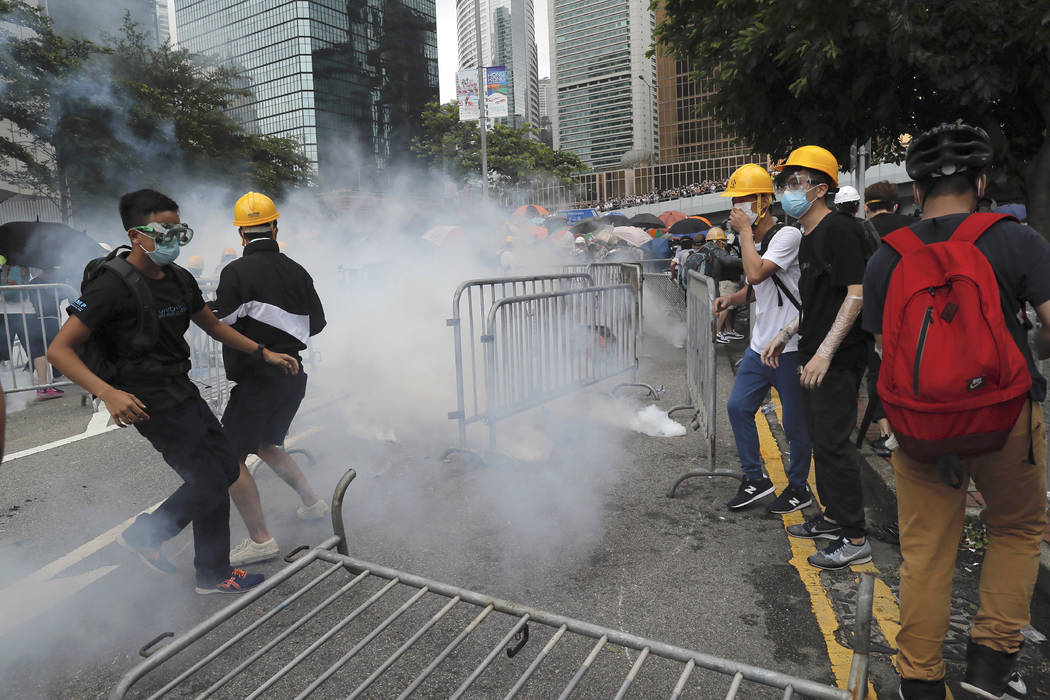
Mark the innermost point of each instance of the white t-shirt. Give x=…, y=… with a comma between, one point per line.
x=769, y=316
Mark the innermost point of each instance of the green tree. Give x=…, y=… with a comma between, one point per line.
x=100, y=121
x=516, y=156
x=792, y=73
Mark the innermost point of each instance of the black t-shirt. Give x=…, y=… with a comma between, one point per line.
x=1019, y=256
x=831, y=259
x=889, y=222
x=107, y=307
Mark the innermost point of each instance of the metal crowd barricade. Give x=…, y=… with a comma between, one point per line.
x=468, y=326
x=398, y=644
x=32, y=315
x=657, y=279
x=701, y=375
x=542, y=346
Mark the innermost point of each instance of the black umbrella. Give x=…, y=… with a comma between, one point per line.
x=646, y=221
x=615, y=219
x=588, y=226
x=687, y=227
x=37, y=244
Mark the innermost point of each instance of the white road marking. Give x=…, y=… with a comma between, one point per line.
x=41, y=590
x=96, y=426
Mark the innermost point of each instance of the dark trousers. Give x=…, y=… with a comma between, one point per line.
x=193, y=444
x=874, y=363
x=831, y=416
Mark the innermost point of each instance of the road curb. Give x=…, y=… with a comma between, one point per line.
x=881, y=492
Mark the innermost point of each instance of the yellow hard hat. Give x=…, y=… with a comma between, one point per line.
x=749, y=179
x=254, y=209
x=715, y=233
x=815, y=158
x=195, y=261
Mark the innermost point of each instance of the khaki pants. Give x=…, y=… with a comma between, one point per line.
x=1013, y=484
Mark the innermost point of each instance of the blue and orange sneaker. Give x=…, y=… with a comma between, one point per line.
x=239, y=581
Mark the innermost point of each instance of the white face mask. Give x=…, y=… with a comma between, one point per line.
x=745, y=207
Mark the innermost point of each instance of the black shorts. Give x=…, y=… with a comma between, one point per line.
x=261, y=409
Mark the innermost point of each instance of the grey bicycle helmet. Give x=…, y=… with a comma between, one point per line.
x=946, y=150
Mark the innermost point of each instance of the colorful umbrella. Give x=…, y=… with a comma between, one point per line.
x=442, y=235
x=632, y=235
x=530, y=211
x=670, y=218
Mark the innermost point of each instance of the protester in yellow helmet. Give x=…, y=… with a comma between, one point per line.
x=833, y=351
x=772, y=274
x=271, y=299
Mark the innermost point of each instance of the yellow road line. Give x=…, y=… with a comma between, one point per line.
x=884, y=609
x=839, y=655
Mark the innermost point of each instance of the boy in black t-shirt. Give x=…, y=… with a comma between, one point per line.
x=149, y=388
x=832, y=349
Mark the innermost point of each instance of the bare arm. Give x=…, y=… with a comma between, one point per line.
x=124, y=407
x=228, y=336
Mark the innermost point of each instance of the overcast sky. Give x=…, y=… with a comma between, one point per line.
x=448, y=52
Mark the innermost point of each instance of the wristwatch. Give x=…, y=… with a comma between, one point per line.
x=258, y=352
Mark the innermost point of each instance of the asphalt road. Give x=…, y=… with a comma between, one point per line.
x=579, y=524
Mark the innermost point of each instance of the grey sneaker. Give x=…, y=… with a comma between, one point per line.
x=817, y=528
x=840, y=554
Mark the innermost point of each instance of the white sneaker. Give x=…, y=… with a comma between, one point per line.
x=314, y=512
x=250, y=552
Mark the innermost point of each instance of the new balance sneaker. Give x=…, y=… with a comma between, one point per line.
x=239, y=581
x=131, y=540
x=721, y=338
x=794, y=497
x=315, y=512
x=989, y=674
x=840, y=554
x=250, y=552
x=911, y=689
x=750, y=491
x=733, y=335
x=50, y=392
x=817, y=528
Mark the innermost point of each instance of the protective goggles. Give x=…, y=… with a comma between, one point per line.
x=794, y=183
x=166, y=233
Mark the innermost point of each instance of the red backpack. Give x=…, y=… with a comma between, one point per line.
x=953, y=380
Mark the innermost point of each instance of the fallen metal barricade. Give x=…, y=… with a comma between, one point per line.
x=32, y=315
x=542, y=346
x=469, y=326
x=384, y=634
x=701, y=371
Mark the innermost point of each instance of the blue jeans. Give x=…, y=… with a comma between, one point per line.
x=753, y=380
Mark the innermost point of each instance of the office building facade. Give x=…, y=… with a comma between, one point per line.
x=348, y=81
x=604, y=85
x=508, y=38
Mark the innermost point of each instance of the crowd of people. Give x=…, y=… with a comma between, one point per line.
x=898, y=298
x=694, y=190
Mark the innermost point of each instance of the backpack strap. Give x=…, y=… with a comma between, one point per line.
x=974, y=226
x=903, y=240
x=147, y=332
x=781, y=287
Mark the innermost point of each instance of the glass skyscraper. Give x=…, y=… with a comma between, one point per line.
x=603, y=82
x=347, y=78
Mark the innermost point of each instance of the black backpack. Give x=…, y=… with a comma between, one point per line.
x=93, y=352
x=726, y=267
